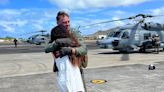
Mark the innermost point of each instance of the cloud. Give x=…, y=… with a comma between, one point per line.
x=99, y=16
x=87, y=4
x=10, y=20
x=159, y=13
x=4, y=2
x=83, y=22
x=7, y=28
x=18, y=21
x=34, y=19
x=10, y=12
x=118, y=23
x=10, y=26
x=119, y=12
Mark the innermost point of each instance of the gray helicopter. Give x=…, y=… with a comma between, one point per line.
x=136, y=37
x=38, y=39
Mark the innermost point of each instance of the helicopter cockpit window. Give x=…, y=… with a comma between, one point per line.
x=125, y=35
x=117, y=34
x=111, y=34
x=147, y=36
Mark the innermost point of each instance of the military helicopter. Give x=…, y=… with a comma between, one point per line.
x=38, y=39
x=134, y=37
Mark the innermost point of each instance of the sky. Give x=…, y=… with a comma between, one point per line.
x=23, y=18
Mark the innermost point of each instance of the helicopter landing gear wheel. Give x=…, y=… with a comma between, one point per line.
x=38, y=44
x=142, y=49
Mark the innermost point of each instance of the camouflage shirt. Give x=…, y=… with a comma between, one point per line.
x=81, y=50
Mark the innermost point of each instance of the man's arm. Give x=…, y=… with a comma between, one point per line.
x=78, y=51
x=51, y=47
x=54, y=46
x=57, y=40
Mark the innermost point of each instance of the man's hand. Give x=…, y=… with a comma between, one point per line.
x=65, y=51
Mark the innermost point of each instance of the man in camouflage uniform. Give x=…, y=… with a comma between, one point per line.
x=156, y=43
x=15, y=42
x=61, y=47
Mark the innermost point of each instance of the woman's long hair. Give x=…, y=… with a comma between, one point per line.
x=75, y=60
x=57, y=33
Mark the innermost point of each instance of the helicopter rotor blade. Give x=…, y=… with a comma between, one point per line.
x=132, y=17
x=157, y=15
x=41, y=31
x=132, y=33
x=104, y=22
x=28, y=33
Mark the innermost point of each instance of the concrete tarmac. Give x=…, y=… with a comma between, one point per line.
x=32, y=71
